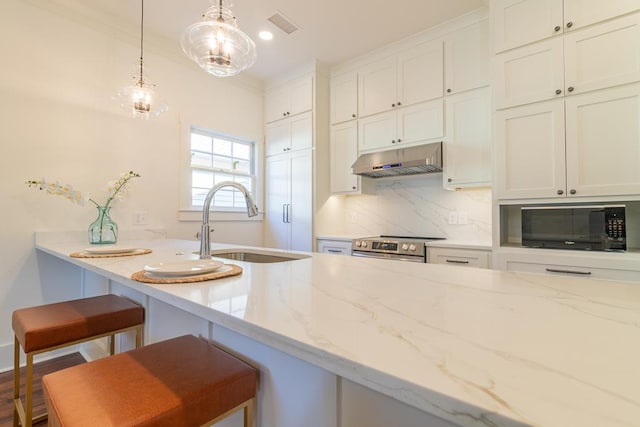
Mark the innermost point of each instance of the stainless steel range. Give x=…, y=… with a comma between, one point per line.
x=401, y=248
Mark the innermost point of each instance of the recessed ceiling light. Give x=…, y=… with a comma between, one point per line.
x=265, y=35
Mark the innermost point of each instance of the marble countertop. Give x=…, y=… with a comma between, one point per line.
x=473, y=346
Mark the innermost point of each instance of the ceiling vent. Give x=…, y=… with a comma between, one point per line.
x=282, y=22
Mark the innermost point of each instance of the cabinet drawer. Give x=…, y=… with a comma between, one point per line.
x=459, y=257
x=574, y=271
x=334, y=247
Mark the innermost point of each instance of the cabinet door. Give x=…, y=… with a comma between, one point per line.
x=520, y=22
x=420, y=122
x=586, y=12
x=300, y=209
x=277, y=173
x=603, y=55
x=277, y=103
x=334, y=247
x=530, y=158
x=300, y=95
x=603, y=142
x=377, y=87
x=459, y=257
x=344, y=151
x=467, y=58
x=467, y=147
x=419, y=74
x=278, y=137
x=344, y=98
x=301, y=131
x=529, y=74
x=377, y=132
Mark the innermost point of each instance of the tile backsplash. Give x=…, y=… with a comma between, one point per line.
x=416, y=206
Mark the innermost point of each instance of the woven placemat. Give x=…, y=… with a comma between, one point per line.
x=224, y=271
x=85, y=254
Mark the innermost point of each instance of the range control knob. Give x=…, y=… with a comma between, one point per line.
x=358, y=243
x=364, y=244
x=405, y=246
x=412, y=248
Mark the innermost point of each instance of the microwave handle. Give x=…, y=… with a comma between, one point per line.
x=554, y=270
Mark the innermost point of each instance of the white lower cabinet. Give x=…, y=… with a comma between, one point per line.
x=289, y=201
x=336, y=247
x=459, y=257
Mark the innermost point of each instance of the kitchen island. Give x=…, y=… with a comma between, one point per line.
x=473, y=347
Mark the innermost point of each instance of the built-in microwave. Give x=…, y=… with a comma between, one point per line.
x=581, y=227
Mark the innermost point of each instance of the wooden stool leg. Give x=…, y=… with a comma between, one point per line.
x=139, y=336
x=112, y=345
x=16, y=379
x=28, y=396
x=250, y=413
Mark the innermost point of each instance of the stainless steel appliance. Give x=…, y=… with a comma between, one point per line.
x=426, y=158
x=401, y=248
x=581, y=227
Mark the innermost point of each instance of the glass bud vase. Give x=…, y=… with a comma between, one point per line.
x=103, y=230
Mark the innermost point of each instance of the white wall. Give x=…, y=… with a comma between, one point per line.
x=57, y=121
x=410, y=206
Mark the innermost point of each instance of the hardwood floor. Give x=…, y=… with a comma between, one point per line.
x=39, y=369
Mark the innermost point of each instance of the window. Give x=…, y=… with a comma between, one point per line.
x=216, y=158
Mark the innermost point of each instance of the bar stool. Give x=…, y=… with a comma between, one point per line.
x=51, y=326
x=184, y=381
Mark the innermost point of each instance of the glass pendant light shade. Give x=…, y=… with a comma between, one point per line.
x=216, y=44
x=139, y=100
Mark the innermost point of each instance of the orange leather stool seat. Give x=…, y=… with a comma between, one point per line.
x=51, y=326
x=184, y=381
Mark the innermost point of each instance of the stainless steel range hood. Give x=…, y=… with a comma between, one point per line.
x=401, y=161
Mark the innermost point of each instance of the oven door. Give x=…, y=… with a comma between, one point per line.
x=389, y=256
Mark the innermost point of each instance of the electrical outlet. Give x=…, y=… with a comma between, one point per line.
x=140, y=218
x=453, y=217
x=463, y=218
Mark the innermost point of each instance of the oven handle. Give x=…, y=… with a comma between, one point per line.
x=387, y=256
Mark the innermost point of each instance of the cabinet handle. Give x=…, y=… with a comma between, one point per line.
x=448, y=90
x=288, y=213
x=570, y=89
x=353, y=115
x=288, y=113
x=393, y=141
x=334, y=251
x=354, y=187
x=557, y=28
x=558, y=91
x=399, y=140
x=449, y=179
x=399, y=103
x=455, y=261
x=393, y=105
x=569, y=24
x=554, y=270
x=284, y=206
x=560, y=192
x=572, y=191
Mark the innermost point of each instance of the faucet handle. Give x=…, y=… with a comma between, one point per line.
x=198, y=234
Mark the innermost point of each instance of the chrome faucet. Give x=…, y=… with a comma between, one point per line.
x=252, y=210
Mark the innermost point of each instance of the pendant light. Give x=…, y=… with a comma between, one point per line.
x=216, y=44
x=139, y=99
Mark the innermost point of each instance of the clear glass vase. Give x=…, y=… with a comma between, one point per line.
x=103, y=231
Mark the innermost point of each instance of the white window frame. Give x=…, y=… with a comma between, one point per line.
x=190, y=212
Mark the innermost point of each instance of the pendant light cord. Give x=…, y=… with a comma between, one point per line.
x=141, y=40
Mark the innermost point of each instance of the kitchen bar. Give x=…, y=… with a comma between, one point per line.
x=474, y=347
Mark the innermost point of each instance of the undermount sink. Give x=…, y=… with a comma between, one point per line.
x=258, y=256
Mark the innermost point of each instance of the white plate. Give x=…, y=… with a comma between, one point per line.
x=109, y=249
x=183, y=268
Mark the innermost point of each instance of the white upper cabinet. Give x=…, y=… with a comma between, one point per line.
x=293, y=133
x=603, y=142
x=599, y=156
x=344, y=97
x=292, y=98
x=592, y=58
x=344, y=151
x=467, y=146
x=467, y=58
x=411, y=77
x=520, y=22
x=406, y=126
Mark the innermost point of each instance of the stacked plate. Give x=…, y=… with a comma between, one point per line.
x=109, y=250
x=185, y=268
